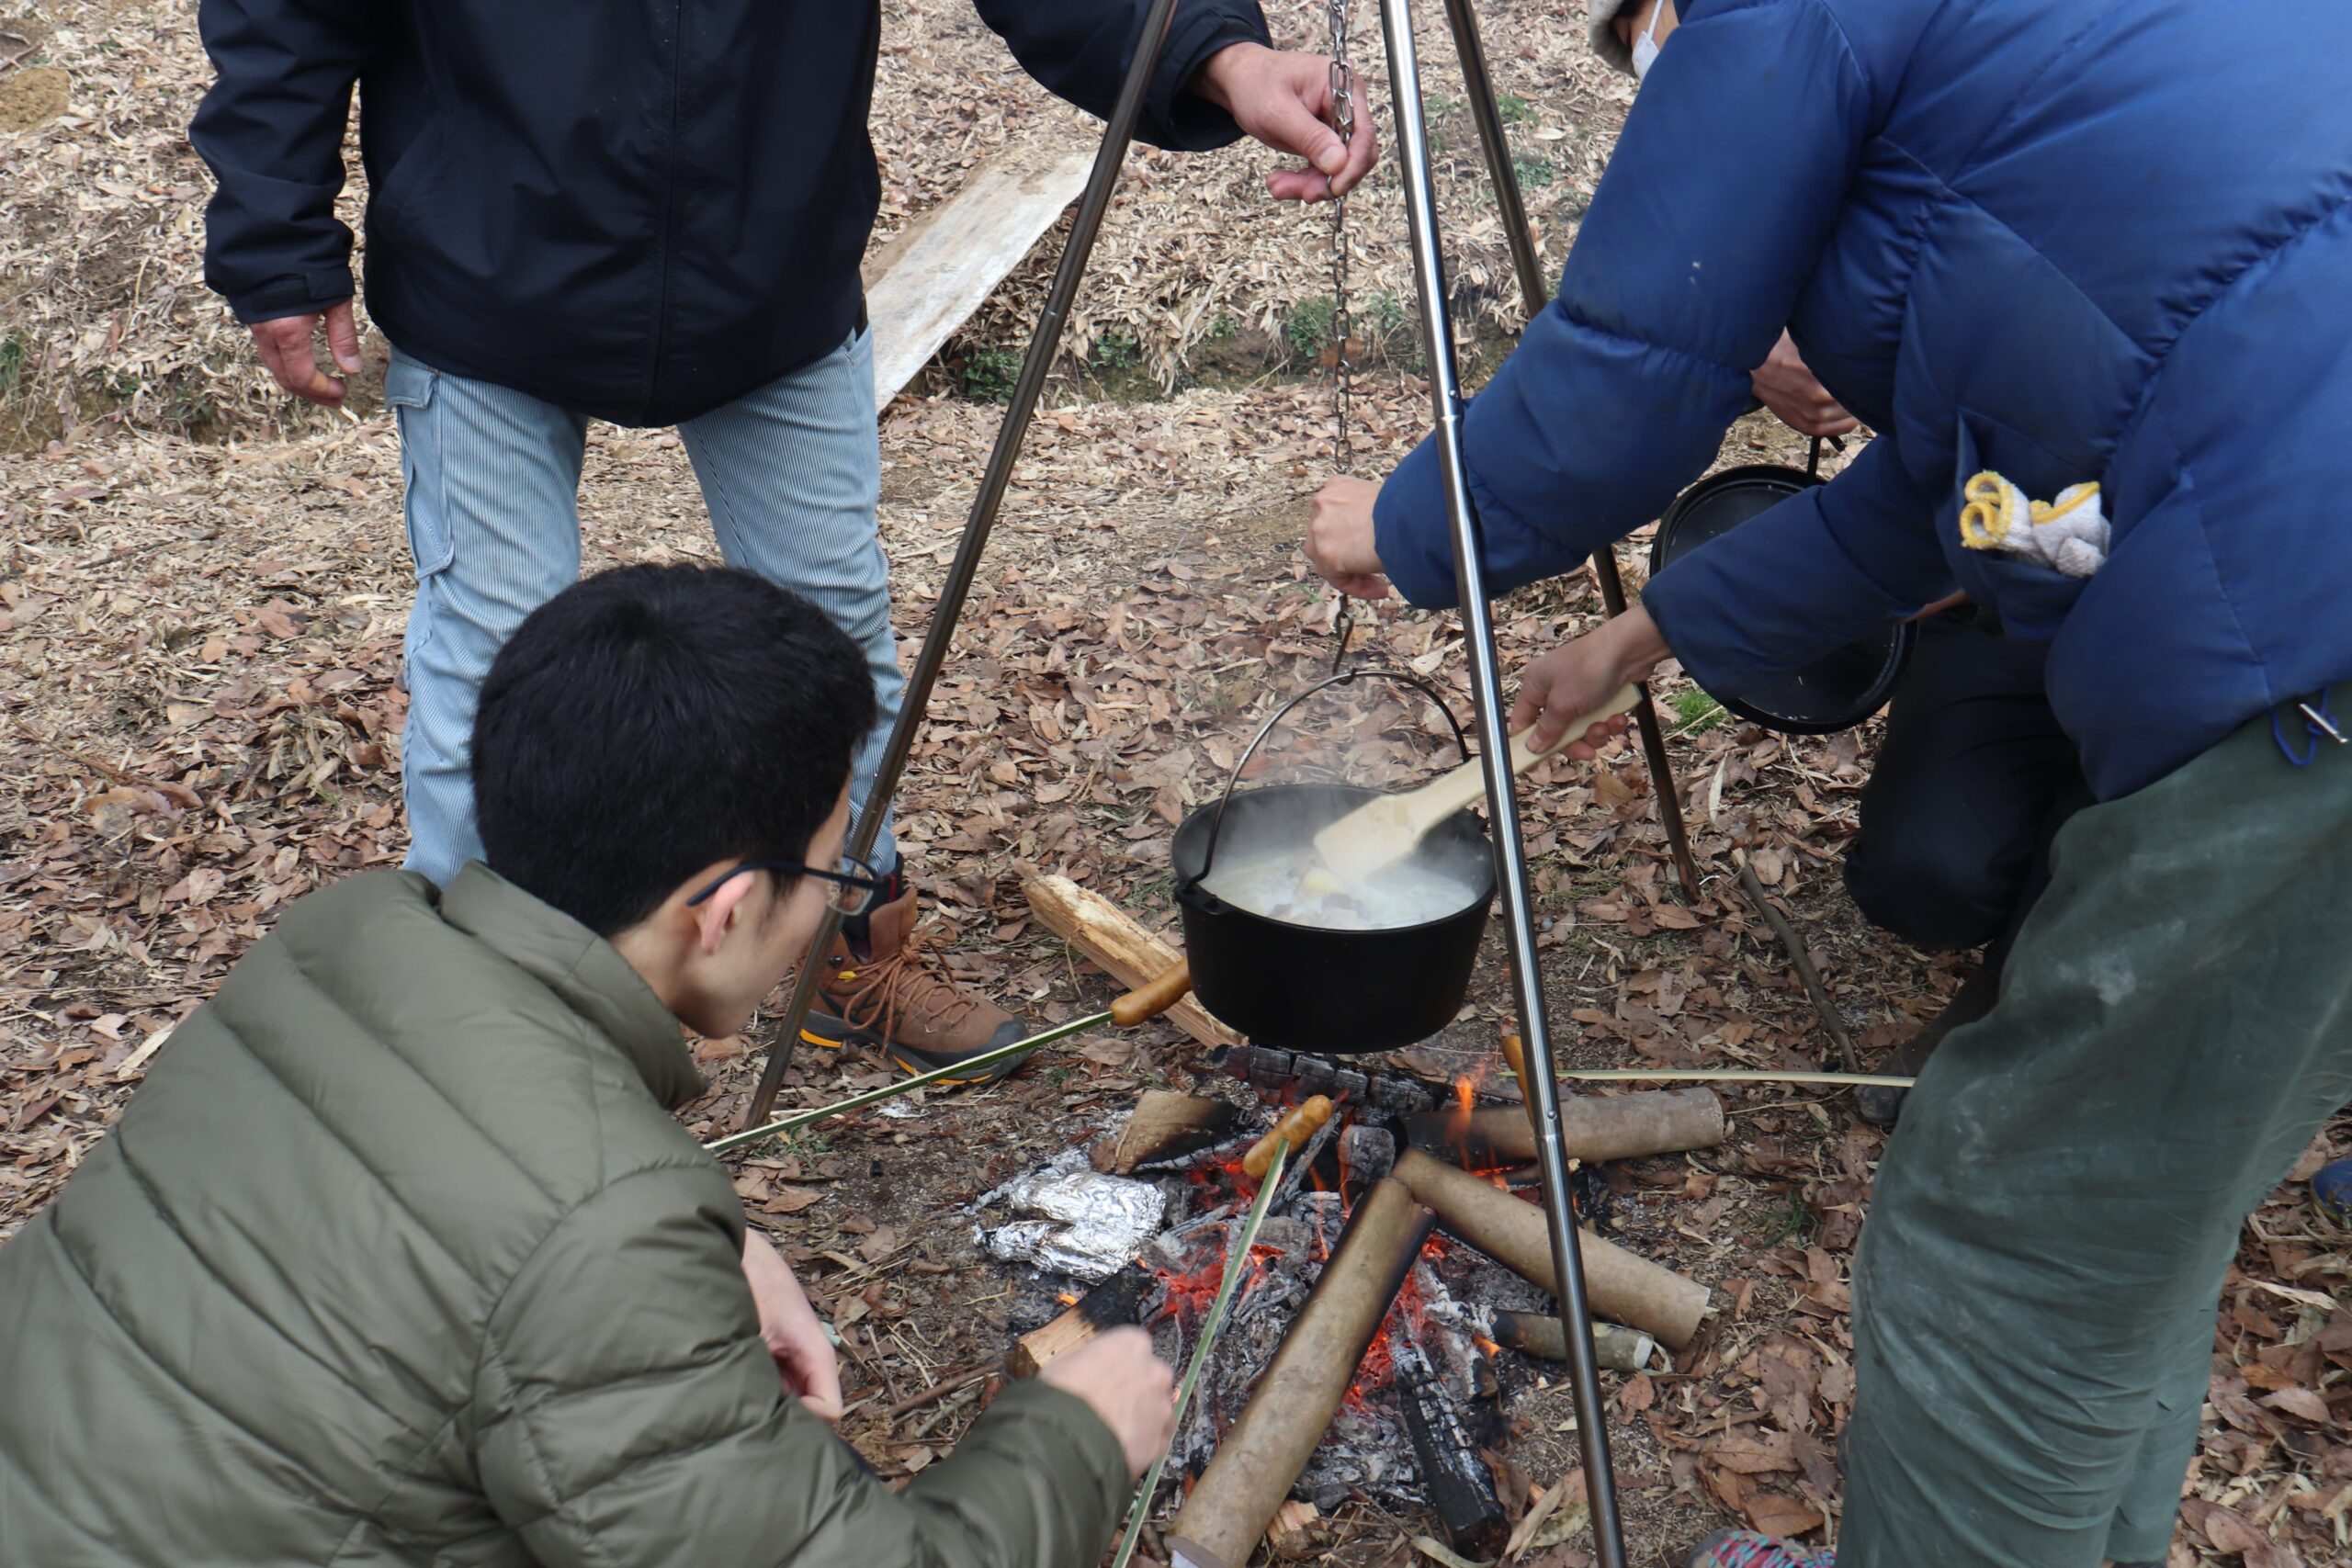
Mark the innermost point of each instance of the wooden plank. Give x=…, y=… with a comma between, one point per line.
x=1110, y=1304
x=928, y=279
x=1107, y=934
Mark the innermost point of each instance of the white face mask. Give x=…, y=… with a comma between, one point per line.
x=1645, y=46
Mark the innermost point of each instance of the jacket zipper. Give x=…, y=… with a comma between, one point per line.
x=661, y=233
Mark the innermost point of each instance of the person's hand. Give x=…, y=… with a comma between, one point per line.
x=1339, y=544
x=1582, y=674
x=1133, y=1391
x=1790, y=391
x=285, y=348
x=789, y=1325
x=1285, y=100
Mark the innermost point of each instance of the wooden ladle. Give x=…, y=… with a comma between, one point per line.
x=1378, y=834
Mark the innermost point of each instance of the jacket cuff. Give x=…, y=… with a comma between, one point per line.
x=301, y=295
x=1410, y=528
x=1177, y=118
x=1772, y=596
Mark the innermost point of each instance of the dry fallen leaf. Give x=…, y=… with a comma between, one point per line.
x=1775, y=1515
x=791, y=1200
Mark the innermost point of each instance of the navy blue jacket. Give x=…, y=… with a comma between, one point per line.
x=638, y=209
x=2073, y=242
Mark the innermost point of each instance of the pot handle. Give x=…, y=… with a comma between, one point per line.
x=1403, y=677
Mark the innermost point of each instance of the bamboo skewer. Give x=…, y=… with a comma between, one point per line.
x=1139, y=1006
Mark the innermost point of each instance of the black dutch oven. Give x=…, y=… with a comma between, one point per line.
x=1311, y=987
x=1835, y=691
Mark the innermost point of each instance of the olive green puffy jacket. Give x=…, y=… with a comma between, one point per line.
x=398, y=1258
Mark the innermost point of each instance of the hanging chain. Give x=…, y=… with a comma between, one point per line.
x=1342, y=362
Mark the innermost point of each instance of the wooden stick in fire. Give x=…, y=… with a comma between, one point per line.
x=1269, y=1444
x=1623, y=1287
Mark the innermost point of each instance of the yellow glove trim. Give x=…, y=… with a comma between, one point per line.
x=2068, y=499
x=1989, y=515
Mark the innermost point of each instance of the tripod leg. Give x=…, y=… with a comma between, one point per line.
x=1502, y=802
x=1520, y=235
x=1117, y=134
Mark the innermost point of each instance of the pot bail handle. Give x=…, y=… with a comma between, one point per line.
x=1403, y=677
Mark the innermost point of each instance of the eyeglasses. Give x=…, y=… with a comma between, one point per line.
x=854, y=887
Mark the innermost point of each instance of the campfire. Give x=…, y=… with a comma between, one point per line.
x=1358, y=1355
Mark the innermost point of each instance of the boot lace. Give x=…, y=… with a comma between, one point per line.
x=901, y=985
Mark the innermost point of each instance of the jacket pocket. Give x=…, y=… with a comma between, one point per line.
x=408, y=392
x=2031, y=599
x=393, y=197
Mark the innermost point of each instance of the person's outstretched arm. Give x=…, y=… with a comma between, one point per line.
x=626, y=1410
x=1715, y=210
x=1217, y=80
x=271, y=128
x=1079, y=50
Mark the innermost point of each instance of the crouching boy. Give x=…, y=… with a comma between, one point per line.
x=398, y=1255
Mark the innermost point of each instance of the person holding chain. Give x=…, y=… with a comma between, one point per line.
x=654, y=218
x=2081, y=268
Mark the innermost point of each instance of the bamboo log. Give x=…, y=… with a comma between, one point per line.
x=1261, y=1457
x=1592, y=1126
x=1538, y=1334
x=1622, y=1287
x=1105, y=933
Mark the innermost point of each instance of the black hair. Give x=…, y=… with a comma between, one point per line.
x=651, y=720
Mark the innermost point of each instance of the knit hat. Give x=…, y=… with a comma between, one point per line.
x=1601, y=16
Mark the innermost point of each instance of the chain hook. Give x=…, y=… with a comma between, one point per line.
x=1342, y=365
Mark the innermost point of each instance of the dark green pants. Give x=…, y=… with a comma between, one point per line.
x=2036, y=1289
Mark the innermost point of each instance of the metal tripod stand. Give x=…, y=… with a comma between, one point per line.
x=1429, y=270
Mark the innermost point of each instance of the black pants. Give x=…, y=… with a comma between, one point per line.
x=1971, y=782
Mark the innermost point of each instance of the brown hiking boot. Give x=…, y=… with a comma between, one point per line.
x=877, y=990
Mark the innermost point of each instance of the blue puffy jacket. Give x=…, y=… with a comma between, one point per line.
x=2103, y=240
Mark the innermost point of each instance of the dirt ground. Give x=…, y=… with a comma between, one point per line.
x=201, y=600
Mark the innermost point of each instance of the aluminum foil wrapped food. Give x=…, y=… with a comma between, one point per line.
x=1078, y=1221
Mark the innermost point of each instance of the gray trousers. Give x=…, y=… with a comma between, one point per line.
x=2036, y=1283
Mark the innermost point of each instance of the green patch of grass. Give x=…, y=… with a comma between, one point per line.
x=1797, y=1222
x=1307, y=329
x=1699, y=711
x=1534, y=173
x=1223, y=327
x=989, y=374
x=1116, y=350
x=1385, y=314
x=1515, y=110
x=13, y=356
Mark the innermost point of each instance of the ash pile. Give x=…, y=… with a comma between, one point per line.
x=1362, y=1352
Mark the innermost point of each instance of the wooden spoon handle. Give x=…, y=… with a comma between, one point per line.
x=1433, y=802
